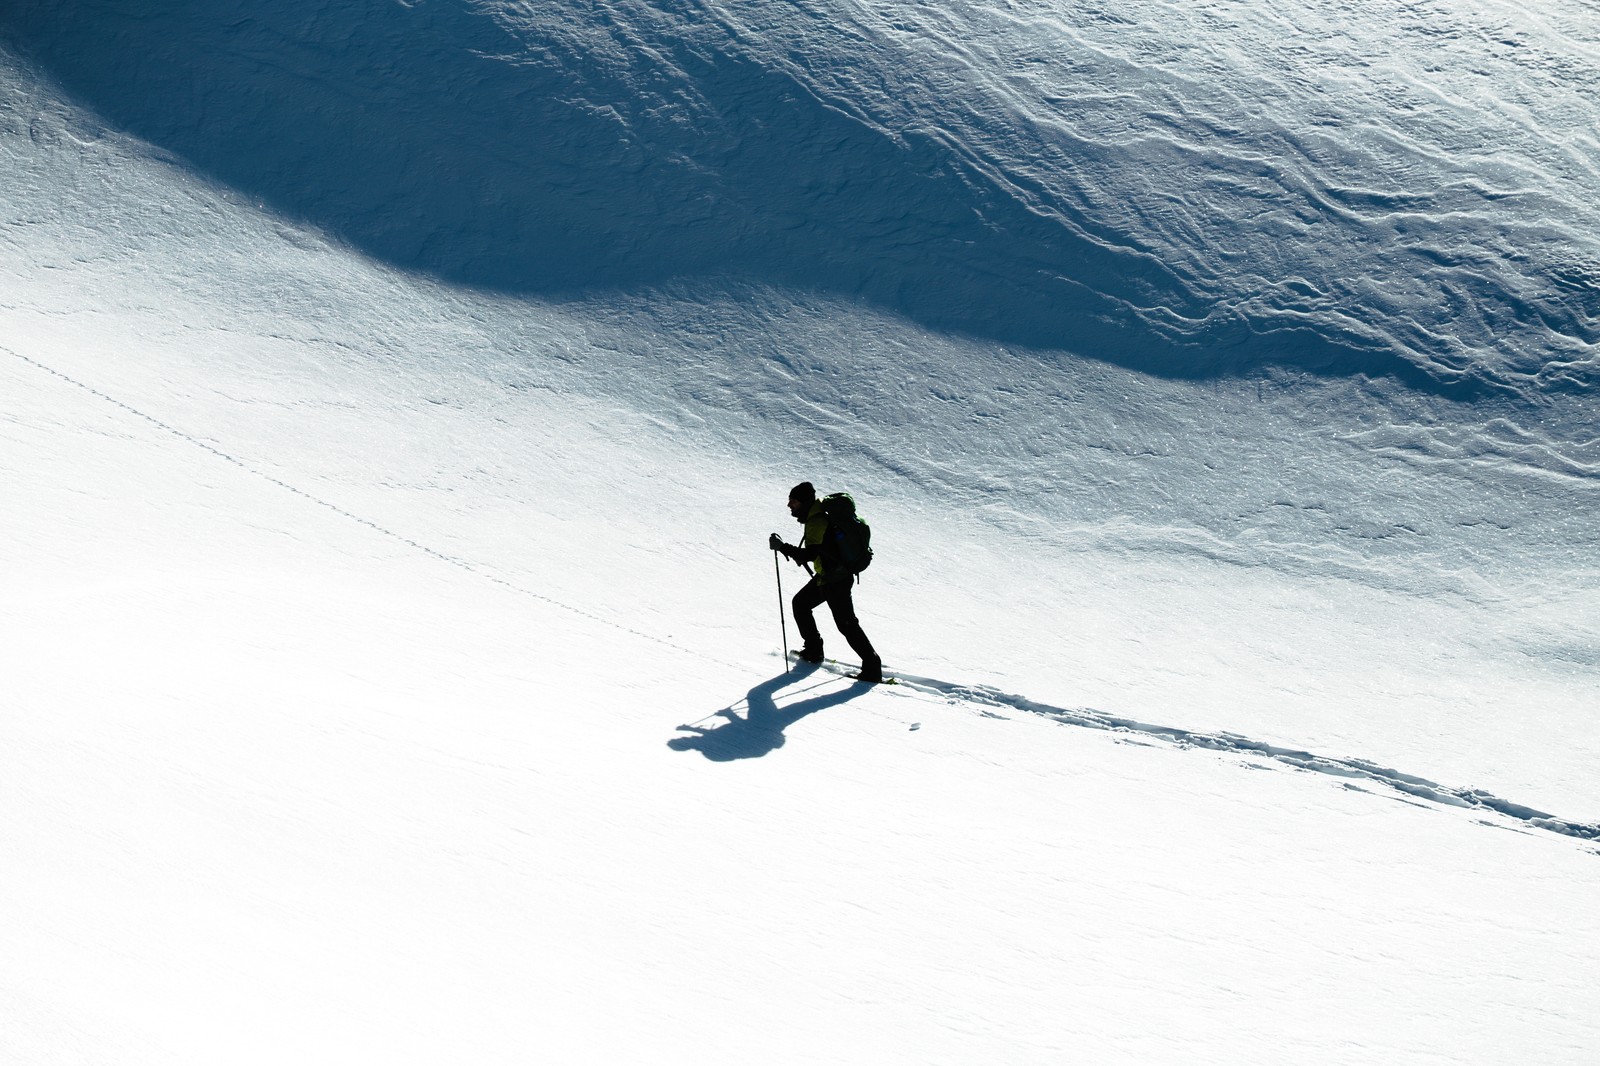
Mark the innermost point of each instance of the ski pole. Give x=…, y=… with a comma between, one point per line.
x=783, y=624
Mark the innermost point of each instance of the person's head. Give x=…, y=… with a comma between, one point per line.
x=801, y=497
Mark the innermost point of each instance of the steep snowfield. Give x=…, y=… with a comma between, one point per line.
x=391, y=668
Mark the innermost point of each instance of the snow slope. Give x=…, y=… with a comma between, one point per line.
x=391, y=645
x=1405, y=189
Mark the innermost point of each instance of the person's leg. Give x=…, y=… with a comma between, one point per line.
x=843, y=607
x=808, y=599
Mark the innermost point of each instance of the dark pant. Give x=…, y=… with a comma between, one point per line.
x=836, y=595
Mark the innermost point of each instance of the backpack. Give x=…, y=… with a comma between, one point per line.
x=848, y=541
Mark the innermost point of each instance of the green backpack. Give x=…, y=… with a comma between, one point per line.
x=848, y=541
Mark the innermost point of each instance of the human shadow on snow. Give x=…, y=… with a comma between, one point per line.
x=760, y=730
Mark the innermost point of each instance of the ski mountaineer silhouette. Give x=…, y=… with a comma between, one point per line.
x=831, y=579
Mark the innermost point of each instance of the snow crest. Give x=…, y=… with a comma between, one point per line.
x=1189, y=189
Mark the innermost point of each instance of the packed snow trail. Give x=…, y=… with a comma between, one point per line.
x=1344, y=767
x=760, y=730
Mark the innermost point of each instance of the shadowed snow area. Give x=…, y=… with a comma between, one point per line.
x=1205, y=188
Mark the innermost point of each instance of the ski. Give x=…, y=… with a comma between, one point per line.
x=844, y=669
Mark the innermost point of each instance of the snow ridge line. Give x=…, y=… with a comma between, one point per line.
x=1233, y=743
x=459, y=563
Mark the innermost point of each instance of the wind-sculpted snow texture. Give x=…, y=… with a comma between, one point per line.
x=1190, y=188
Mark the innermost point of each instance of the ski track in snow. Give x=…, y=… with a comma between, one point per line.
x=463, y=564
x=757, y=738
x=984, y=696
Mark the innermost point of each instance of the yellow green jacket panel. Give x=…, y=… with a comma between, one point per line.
x=816, y=528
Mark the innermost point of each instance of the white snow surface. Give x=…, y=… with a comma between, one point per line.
x=395, y=400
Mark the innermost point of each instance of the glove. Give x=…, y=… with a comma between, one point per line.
x=776, y=544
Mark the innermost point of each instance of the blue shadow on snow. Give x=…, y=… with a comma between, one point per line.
x=491, y=153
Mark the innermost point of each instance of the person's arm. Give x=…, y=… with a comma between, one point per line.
x=790, y=551
x=810, y=546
